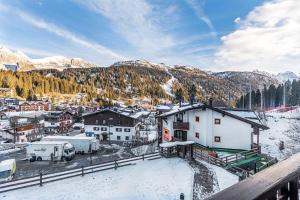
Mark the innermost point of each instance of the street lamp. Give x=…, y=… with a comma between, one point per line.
x=109, y=125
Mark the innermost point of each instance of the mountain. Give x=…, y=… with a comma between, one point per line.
x=25, y=63
x=243, y=80
x=288, y=75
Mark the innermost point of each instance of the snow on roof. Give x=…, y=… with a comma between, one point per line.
x=177, y=109
x=47, y=138
x=49, y=142
x=163, y=107
x=173, y=144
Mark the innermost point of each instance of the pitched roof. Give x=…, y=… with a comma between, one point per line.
x=204, y=106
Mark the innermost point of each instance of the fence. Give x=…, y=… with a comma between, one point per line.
x=51, y=177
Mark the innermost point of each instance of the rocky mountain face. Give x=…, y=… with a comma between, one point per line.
x=243, y=80
x=25, y=63
x=285, y=76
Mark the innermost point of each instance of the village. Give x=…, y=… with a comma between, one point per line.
x=222, y=143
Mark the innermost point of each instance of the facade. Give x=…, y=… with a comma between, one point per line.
x=121, y=126
x=58, y=122
x=34, y=106
x=209, y=126
x=27, y=133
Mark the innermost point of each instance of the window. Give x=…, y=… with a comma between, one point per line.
x=104, y=122
x=103, y=129
x=179, y=117
x=118, y=137
x=217, y=139
x=197, y=119
x=52, y=123
x=197, y=135
x=127, y=138
x=126, y=129
x=217, y=121
x=119, y=129
x=96, y=128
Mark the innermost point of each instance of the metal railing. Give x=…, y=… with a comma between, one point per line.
x=41, y=179
x=280, y=181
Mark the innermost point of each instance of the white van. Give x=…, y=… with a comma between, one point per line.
x=50, y=150
x=81, y=144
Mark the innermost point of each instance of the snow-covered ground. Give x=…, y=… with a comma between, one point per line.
x=7, y=151
x=224, y=178
x=162, y=179
x=168, y=86
x=280, y=124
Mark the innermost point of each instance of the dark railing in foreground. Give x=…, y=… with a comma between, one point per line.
x=280, y=181
x=81, y=171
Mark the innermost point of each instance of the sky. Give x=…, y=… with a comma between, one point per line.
x=215, y=35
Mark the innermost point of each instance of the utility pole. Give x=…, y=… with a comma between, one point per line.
x=261, y=99
x=250, y=96
x=284, y=95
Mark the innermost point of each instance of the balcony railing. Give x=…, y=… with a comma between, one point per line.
x=181, y=125
x=280, y=181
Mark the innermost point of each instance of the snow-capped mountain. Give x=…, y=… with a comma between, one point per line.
x=256, y=79
x=8, y=56
x=288, y=75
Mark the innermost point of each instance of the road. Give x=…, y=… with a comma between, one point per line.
x=28, y=169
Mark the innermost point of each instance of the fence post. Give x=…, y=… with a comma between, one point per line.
x=116, y=164
x=82, y=171
x=143, y=157
x=41, y=179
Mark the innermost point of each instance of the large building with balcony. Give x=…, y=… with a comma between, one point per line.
x=114, y=125
x=210, y=127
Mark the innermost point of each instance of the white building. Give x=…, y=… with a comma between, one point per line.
x=122, y=125
x=209, y=126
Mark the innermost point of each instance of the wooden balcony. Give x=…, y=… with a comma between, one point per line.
x=280, y=181
x=181, y=125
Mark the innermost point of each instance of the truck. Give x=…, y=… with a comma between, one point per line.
x=81, y=144
x=7, y=169
x=50, y=150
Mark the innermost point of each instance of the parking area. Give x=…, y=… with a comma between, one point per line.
x=28, y=169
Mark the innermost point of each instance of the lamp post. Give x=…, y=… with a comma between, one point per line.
x=109, y=125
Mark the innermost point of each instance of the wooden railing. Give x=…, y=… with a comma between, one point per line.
x=181, y=125
x=280, y=181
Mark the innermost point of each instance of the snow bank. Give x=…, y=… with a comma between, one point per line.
x=280, y=125
x=162, y=179
x=8, y=151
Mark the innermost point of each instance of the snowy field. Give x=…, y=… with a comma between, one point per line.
x=162, y=179
x=281, y=125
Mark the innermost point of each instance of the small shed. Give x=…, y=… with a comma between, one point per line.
x=183, y=149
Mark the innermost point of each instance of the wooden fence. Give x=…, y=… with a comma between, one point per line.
x=42, y=179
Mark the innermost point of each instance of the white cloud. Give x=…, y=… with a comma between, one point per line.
x=197, y=7
x=268, y=38
x=61, y=32
x=136, y=21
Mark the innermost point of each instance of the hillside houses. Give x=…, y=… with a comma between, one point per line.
x=210, y=127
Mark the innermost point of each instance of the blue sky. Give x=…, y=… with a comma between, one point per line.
x=188, y=32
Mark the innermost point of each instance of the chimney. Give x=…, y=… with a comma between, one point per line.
x=210, y=102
